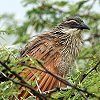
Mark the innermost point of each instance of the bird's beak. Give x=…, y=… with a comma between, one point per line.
x=84, y=26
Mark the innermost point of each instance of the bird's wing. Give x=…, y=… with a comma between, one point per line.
x=42, y=48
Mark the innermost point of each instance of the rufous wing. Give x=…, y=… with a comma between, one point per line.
x=45, y=50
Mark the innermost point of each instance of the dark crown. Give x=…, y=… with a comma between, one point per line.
x=74, y=22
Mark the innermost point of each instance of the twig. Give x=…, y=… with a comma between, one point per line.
x=53, y=90
x=66, y=82
x=34, y=92
x=23, y=83
x=86, y=74
x=83, y=96
x=71, y=85
x=34, y=67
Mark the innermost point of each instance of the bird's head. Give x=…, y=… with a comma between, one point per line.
x=74, y=23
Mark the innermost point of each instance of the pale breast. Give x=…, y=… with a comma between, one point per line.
x=69, y=52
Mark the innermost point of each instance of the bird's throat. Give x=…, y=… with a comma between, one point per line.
x=71, y=46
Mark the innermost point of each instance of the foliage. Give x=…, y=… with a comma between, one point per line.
x=44, y=15
x=4, y=90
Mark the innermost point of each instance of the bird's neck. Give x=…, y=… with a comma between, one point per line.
x=70, y=43
x=72, y=40
x=65, y=35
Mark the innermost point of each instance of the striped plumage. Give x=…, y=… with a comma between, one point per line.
x=57, y=50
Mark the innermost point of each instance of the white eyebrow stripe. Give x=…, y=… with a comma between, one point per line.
x=72, y=21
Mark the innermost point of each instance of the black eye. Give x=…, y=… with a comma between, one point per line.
x=71, y=23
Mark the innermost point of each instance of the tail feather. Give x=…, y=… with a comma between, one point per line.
x=46, y=85
x=51, y=84
x=25, y=72
x=21, y=95
x=42, y=82
x=31, y=76
x=48, y=82
x=45, y=82
x=34, y=75
x=56, y=84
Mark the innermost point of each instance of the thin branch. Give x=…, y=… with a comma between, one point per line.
x=14, y=73
x=82, y=77
x=66, y=82
x=83, y=96
x=34, y=92
x=34, y=67
x=23, y=83
x=71, y=85
x=53, y=90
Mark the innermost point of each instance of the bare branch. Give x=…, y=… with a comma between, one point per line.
x=82, y=77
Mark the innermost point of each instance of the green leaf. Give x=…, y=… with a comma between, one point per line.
x=62, y=3
x=7, y=31
x=81, y=3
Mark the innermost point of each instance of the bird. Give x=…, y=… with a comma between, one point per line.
x=57, y=49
